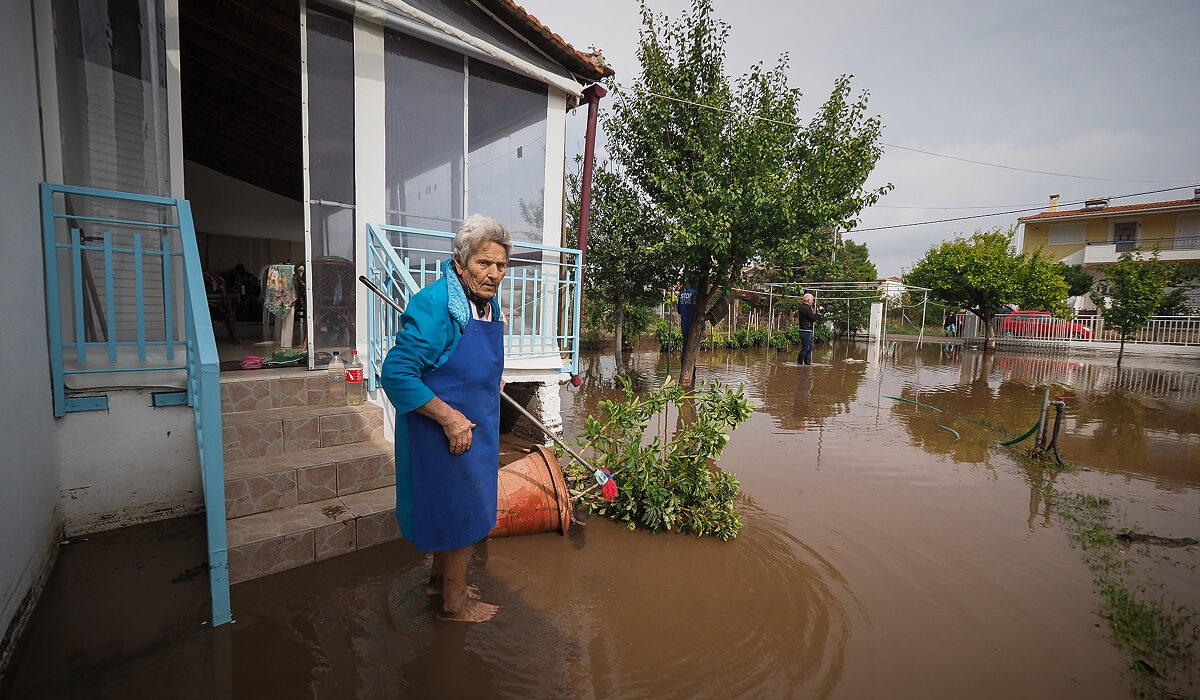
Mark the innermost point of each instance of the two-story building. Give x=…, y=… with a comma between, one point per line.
x=1098, y=233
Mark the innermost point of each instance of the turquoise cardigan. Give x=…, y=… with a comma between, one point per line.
x=430, y=329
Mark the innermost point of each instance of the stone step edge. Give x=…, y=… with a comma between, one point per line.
x=305, y=458
x=331, y=511
x=270, y=415
x=270, y=374
x=369, y=522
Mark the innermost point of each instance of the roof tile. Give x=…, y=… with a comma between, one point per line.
x=1112, y=210
x=591, y=65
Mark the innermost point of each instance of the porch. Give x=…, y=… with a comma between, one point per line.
x=291, y=481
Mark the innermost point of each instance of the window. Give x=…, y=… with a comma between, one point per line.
x=1067, y=233
x=331, y=177
x=1125, y=235
x=110, y=70
x=506, y=163
x=424, y=114
x=1187, y=235
x=110, y=60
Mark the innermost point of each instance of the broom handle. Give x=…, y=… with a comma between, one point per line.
x=521, y=409
x=551, y=435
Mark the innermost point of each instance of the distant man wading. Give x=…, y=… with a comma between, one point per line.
x=808, y=321
x=444, y=378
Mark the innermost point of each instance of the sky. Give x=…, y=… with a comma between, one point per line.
x=1104, y=91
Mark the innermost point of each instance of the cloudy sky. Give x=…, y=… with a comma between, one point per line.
x=1105, y=89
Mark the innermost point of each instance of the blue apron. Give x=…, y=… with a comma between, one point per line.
x=452, y=499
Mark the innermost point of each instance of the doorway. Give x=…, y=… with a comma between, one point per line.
x=243, y=165
x=1125, y=235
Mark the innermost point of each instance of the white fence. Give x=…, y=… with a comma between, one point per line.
x=1025, y=328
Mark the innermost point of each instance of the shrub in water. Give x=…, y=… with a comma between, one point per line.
x=665, y=483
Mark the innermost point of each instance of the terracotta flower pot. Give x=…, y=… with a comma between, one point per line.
x=532, y=496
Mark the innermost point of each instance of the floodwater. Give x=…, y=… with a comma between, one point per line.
x=880, y=557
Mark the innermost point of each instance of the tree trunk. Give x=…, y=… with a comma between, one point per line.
x=691, y=339
x=1121, y=352
x=691, y=349
x=989, y=340
x=620, y=330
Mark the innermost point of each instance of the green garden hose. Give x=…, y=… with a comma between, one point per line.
x=1029, y=432
x=915, y=403
x=954, y=432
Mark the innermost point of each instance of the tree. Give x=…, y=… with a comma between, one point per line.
x=984, y=272
x=1177, y=300
x=1133, y=288
x=724, y=163
x=1079, y=281
x=621, y=281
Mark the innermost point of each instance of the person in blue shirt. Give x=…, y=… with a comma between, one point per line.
x=686, y=308
x=443, y=376
x=687, y=311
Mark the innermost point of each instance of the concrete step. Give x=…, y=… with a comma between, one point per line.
x=259, y=484
x=289, y=429
x=296, y=535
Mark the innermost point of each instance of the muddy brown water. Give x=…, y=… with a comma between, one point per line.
x=880, y=557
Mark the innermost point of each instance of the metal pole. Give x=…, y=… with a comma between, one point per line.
x=521, y=409
x=770, y=313
x=592, y=96
x=1041, y=438
x=921, y=334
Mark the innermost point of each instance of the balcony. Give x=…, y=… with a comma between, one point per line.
x=1170, y=250
x=540, y=296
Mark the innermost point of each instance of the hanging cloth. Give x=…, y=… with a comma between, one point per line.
x=280, y=294
x=449, y=500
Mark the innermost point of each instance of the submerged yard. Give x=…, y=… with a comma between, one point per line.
x=880, y=556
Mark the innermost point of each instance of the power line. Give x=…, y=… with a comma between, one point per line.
x=1028, y=170
x=915, y=150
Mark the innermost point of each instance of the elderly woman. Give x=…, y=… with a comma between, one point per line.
x=443, y=377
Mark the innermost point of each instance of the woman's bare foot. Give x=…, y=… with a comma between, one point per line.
x=471, y=610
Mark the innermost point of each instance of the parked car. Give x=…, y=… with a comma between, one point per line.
x=1041, y=324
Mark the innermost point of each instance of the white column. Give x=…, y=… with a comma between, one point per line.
x=174, y=105
x=552, y=207
x=370, y=158
x=48, y=91
x=556, y=135
x=875, y=330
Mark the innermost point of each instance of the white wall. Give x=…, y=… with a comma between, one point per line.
x=230, y=207
x=29, y=516
x=128, y=465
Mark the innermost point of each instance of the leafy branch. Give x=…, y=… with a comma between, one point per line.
x=666, y=483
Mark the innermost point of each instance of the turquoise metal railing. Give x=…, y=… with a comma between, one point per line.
x=540, y=295
x=133, y=311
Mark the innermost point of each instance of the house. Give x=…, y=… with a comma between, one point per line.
x=891, y=288
x=169, y=152
x=1098, y=233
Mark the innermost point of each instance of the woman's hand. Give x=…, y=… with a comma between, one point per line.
x=456, y=426
x=458, y=432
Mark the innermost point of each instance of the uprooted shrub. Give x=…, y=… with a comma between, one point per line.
x=666, y=482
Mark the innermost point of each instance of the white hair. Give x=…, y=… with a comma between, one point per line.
x=475, y=230
x=809, y=297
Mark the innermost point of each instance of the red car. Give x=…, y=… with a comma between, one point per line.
x=1041, y=324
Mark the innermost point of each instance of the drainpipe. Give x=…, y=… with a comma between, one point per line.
x=592, y=96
